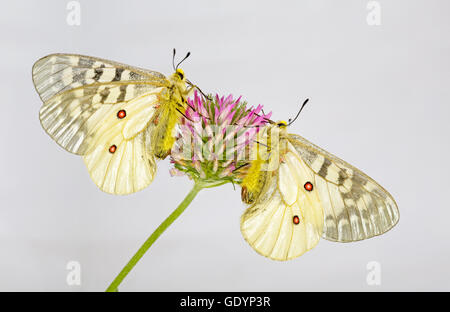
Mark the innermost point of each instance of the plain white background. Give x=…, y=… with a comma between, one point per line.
x=379, y=98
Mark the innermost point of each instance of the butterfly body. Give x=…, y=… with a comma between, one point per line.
x=117, y=117
x=310, y=194
x=173, y=102
x=267, y=156
x=253, y=182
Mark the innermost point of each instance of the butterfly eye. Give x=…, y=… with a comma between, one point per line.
x=121, y=114
x=112, y=149
x=282, y=124
x=308, y=186
x=180, y=73
x=296, y=220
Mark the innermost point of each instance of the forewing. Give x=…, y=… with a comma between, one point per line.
x=102, y=110
x=287, y=220
x=79, y=91
x=56, y=73
x=355, y=206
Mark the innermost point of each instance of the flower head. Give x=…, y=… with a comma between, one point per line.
x=214, y=138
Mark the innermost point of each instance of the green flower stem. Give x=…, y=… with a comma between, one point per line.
x=161, y=228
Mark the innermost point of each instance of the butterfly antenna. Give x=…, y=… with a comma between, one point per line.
x=298, y=114
x=187, y=55
x=173, y=59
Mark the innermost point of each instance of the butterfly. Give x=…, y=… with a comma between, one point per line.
x=119, y=118
x=298, y=193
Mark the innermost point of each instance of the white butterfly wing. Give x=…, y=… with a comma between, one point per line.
x=78, y=90
x=286, y=221
x=355, y=206
x=82, y=99
x=130, y=168
x=121, y=160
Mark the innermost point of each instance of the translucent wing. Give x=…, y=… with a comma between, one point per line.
x=355, y=206
x=102, y=110
x=78, y=91
x=286, y=221
x=121, y=166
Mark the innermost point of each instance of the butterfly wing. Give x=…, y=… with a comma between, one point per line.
x=78, y=91
x=92, y=105
x=355, y=206
x=286, y=220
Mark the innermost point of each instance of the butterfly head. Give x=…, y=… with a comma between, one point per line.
x=179, y=73
x=178, y=78
x=282, y=124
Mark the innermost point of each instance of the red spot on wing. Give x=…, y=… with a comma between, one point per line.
x=121, y=114
x=308, y=186
x=112, y=149
x=296, y=220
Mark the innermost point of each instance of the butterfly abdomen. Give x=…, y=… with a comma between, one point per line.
x=166, y=121
x=253, y=182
